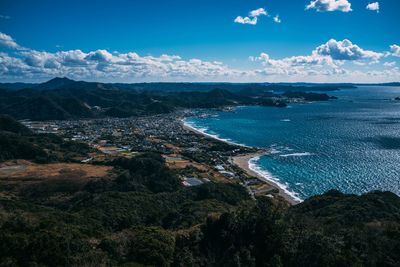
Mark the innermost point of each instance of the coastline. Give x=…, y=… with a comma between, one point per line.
x=189, y=127
x=244, y=163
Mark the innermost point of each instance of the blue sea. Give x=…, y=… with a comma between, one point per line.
x=351, y=144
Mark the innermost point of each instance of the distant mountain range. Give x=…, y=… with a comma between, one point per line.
x=63, y=98
x=179, y=87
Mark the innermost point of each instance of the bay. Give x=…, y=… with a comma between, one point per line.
x=351, y=144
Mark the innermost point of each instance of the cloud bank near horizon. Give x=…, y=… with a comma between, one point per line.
x=333, y=61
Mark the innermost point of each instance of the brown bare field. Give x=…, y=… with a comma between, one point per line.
x=173, y=147
x=21, y=170
x=206, y=171
x=181, y=164
x=217, y=177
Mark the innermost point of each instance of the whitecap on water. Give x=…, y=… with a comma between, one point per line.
x=296, y=154
x=269, y=177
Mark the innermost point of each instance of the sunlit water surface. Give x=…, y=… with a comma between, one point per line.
x=351, y=144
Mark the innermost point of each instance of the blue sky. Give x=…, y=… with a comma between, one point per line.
x=203, y=30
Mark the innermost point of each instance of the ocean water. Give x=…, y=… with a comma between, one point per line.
x=351, y=144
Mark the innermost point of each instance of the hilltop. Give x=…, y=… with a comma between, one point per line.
x=62, y=98
x=57, y=82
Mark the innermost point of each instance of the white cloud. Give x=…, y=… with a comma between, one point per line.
x=258, y=12
x=389, y=64
x=373, y=6
x=101, y=64
x=395, y=49
x=277, y=19
x=8, y=41
x=40, y=59
x=329, y=60
x=346, y=50
x=246, y=20
x=298, y=66
x=325, y=63
x=72, y=58
x=100, y=56
x=295, y=61
x=252, y=18
x=330, y=5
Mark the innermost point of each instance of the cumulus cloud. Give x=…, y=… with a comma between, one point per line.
x=395, y=49
x=330, y=55
x=345, y=50
x=100, y=56
x=295, y=61
x=40, y=59
x=373, y=6
x=277, y=19
x=101, y=64
x=325, y=62
x=8, y=41
x=252, y=18
x=299, y=66
x=389, y=64
x=258, y=12
x=245, y=20
x=330, y=5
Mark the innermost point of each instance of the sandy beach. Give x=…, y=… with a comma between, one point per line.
x=242, y=161
x=190, y=128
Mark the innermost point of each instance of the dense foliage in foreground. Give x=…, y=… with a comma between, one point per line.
x=329, y=230
x=145, y=217
x=135, y=217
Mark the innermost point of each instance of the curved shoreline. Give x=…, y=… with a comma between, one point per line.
x=190, y=127
x=245, y=163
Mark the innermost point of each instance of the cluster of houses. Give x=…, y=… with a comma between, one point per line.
x=165, y=134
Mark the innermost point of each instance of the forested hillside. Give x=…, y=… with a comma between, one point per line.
x=62, y=98
x=18, y=142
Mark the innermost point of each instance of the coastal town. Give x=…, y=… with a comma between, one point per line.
x=196, y=157
x=199, y=133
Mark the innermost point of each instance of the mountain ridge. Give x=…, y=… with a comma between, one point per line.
x=61, y=81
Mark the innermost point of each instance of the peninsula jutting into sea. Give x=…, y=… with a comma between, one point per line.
x=200, y=133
